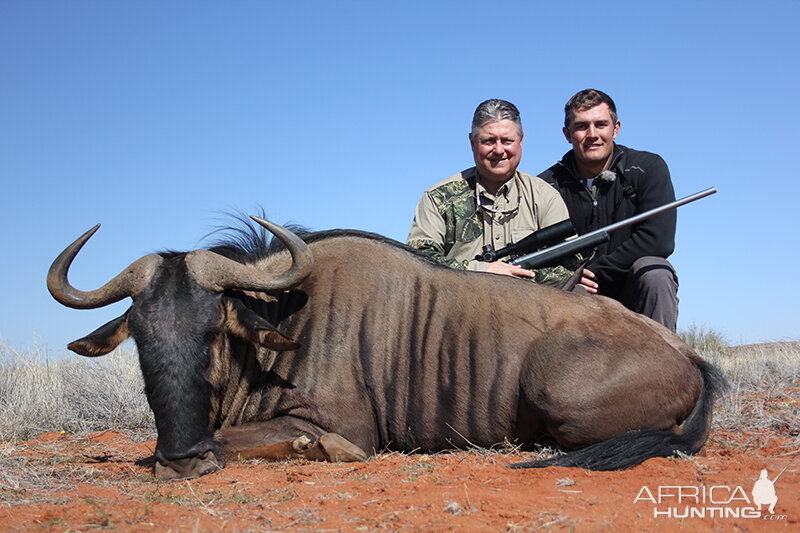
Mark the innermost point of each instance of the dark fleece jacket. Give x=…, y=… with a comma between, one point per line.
x=642, y=182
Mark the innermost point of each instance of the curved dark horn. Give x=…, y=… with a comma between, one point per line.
x=217, y=273
x=130, y=282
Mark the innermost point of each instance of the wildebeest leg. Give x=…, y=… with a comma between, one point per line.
x=329, y=447
x=287, y=438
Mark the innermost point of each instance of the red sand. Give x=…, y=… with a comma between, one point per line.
x=103, y=481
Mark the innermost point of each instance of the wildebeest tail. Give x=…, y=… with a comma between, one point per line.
x=634, y=447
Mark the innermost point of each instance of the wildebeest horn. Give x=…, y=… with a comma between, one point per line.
x=129, y=282
x=217, y=273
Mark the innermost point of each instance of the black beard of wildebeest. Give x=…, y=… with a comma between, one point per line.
x=346, y=343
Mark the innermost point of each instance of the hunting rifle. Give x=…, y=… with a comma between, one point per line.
x=547, y=238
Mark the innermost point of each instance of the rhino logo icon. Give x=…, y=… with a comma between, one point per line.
x=764, y=491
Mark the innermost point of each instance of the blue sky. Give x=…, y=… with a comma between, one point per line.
x=153, y=118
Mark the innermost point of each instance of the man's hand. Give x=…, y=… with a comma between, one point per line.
x=587, y=282
x=500, y=267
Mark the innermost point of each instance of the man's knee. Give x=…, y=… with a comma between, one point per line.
x=652, y=290
x=652, y=273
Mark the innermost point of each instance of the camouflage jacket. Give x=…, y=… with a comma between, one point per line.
x=456, y=217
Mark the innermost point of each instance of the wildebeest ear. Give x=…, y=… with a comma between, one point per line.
x=103, y=339
x=246, y=323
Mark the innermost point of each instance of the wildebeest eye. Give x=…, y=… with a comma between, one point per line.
x=247, y=324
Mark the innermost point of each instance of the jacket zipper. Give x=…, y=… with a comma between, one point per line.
x=594, y=200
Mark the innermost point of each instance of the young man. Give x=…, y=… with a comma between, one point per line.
x=603, y=182
x=490, y=203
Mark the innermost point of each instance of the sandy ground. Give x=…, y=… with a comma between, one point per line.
x=59, y=482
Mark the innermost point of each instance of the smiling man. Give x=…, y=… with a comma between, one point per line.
x=603, y=182
x=490, y=203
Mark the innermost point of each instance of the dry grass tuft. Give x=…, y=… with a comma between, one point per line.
x=70, y=394
x=703, y=339
x=765, y=382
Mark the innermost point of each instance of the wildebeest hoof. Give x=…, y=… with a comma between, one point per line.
x=338, y=448
x=188, y=467
x=301, y=444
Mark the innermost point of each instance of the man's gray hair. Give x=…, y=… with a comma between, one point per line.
x=495, y=109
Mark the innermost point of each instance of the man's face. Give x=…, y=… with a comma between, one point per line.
x=591, y=133
x=497, y=149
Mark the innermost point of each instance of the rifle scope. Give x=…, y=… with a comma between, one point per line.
x=542, y=238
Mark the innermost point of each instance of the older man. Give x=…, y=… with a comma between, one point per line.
x=490, y=203
x=603, y=182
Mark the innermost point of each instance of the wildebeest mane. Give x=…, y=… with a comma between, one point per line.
x=245, y=241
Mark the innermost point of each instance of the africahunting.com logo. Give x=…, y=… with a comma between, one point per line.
x=716, y=501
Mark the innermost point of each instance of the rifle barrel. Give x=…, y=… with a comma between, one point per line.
x=593, y=238
x=657, y=210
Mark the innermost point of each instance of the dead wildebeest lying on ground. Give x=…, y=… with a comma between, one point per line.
x=349, y=343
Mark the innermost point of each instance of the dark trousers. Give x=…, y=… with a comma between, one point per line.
x=651, y=289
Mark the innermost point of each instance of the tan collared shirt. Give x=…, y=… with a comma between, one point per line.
x=456, y=217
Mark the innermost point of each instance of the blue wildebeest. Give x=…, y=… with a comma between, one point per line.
x=346, y=343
